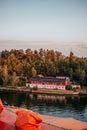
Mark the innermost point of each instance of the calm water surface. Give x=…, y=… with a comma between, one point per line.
x=61, y=106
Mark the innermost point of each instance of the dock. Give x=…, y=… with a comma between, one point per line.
x=38, y=91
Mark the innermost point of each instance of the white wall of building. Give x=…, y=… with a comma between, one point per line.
x=46, y=86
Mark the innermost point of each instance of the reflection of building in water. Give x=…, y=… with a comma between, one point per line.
x=54, y=98
x=48, y=98
x=75, y=97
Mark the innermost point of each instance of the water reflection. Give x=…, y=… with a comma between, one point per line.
x=62, y=106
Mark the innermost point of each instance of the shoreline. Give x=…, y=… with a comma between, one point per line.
x=40, y=91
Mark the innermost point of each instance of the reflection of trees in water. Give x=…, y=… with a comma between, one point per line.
x=77, y=102
x=12, y=98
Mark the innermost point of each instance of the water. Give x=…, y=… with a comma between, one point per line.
x=61, y=106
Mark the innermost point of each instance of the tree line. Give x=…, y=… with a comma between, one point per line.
x=17, y=66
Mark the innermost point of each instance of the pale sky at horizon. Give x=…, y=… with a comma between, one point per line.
x=49, y=24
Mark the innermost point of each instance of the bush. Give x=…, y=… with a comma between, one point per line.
x=35, y=88
x=69, y=87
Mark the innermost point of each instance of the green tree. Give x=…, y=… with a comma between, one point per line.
x=69, y=87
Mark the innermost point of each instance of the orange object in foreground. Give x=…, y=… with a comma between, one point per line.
x=1, y=105
x=28, y=120
x=18, y=119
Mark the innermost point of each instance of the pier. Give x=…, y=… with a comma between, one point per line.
x=39, y=91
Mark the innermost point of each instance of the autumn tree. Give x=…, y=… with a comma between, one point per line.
x=33, y=72
x=5, y=74
x=16, y=66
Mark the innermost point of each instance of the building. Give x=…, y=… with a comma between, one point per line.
x=77, y=87
x=49, y=82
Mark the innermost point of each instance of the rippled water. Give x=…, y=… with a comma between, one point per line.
x=61, y=106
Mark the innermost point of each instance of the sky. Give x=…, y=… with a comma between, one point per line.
x=49, y=24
